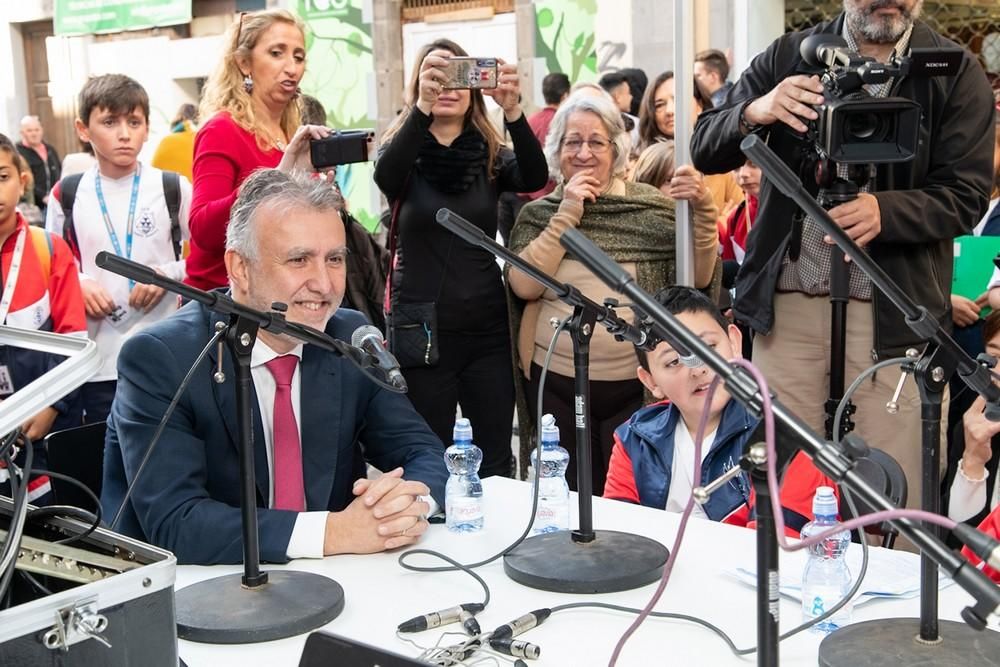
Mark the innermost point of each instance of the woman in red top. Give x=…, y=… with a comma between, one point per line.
x=253, y=122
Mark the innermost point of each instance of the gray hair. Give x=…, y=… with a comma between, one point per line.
x=611, y=117
x=274, y=189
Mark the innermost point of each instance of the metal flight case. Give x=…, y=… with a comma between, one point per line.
x=105, y=600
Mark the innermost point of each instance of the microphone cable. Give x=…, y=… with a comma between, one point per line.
x=163, y=422
x=19, y=495
x=468, y=568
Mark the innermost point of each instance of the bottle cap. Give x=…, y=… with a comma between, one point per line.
x=824, y=502
x=550, y=432
x=463, y=431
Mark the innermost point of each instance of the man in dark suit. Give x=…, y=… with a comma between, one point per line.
x=319, y=418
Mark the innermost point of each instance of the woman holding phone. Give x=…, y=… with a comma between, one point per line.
x=250, y=103
x=448, y=321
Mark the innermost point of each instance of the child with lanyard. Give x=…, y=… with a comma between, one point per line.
x=39, y=290
x=119, y=206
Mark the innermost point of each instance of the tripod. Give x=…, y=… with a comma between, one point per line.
x=835, y=191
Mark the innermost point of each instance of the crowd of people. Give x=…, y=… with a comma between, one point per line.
x=235, y=204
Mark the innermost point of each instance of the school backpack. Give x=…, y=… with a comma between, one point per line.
x=171, y=192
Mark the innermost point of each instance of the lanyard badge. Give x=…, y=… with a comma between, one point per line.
x=131, y=217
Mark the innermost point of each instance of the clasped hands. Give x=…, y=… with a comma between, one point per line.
x=386, y=513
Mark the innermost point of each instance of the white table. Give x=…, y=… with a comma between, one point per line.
x=380, y=594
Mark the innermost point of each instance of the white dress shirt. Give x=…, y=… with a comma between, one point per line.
x=309, y=532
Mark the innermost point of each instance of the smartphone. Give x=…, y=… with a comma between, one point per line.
x=344, y=147
x=470, y=73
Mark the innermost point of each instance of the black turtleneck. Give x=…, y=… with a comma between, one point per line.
x=434, y=265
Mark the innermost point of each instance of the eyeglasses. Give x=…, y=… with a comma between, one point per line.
x=596, y=146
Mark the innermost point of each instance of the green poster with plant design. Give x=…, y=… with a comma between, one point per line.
x=339, y=71
x=564, y=37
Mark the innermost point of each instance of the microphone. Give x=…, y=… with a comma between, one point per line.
x=444, y=617
x=370, y=339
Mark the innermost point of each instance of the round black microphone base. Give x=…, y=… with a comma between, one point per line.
x=612, y=562
x=222, y=611
x=895, y=642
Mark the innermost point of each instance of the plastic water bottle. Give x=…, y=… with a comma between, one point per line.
x=826, y=578
x=463, y=505
x=553, y=495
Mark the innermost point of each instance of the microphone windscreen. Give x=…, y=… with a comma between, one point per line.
x=364, y=331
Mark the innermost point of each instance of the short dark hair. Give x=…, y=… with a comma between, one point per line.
x=555, y=87
x=714, y=60
x=117, y=93
x=637, y=81
x=612, y=80
x=679, y=299
x=7, y=146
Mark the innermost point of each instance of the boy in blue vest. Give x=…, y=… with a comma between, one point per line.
x=652, y=462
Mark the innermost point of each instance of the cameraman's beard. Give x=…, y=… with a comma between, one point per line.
x=880, y=30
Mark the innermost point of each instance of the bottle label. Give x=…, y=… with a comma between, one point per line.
x=464, y=509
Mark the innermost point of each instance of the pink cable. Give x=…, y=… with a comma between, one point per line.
x=702, y=424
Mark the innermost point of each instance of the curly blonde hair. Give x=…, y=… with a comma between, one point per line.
x=224, y=89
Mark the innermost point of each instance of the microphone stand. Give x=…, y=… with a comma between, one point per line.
x=939, y=361
x=835, y=460
x=583, y=560
x=254, y=606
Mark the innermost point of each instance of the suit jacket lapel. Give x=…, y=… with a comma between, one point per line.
x=320, y=424
x=225, y=397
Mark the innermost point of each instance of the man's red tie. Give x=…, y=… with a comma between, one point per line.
x=288, y=490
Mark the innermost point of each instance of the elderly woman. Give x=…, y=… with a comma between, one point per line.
x=252, y=122
x=587, y=149
x=656, y=124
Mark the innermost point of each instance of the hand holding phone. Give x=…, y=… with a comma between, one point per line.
x=470, y=73
x=345, y=147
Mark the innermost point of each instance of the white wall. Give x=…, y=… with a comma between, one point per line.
x=494, y=37
x=13, y=80
x=756, y=23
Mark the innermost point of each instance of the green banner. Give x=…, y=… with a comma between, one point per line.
x=324, y=9
x=86, y=17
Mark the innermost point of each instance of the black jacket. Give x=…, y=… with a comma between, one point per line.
x=45, y=172
x=367, y=267
x=924, y=203
x=432, y=263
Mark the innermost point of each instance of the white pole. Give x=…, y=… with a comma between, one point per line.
x=684, y=112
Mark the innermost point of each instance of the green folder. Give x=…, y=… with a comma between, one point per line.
x=974, y=266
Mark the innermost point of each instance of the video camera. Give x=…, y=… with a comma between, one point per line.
x=855, y=128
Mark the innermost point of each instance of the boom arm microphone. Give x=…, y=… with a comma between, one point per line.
x=615, y=276
x=605, y=314
x=223, y=303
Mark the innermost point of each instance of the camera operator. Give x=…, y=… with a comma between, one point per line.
x=906, y=223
